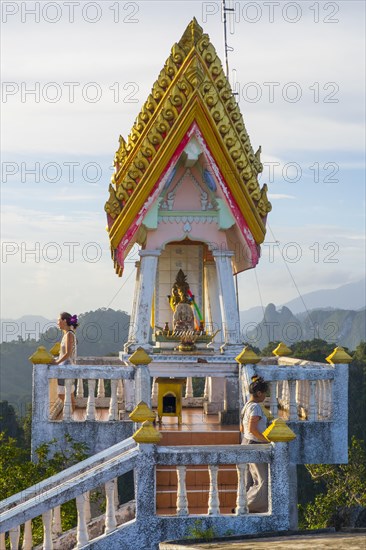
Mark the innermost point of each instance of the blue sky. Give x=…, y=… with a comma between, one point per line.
x=309, y=55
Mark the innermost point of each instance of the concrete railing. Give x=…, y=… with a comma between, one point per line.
x=313, y=398
x=89, y=423
x=147, y=529
x=45, y=499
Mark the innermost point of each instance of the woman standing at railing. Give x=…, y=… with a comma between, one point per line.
x=68, y=324
x=254, y=422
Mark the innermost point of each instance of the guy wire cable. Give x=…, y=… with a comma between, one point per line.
x=294, y=282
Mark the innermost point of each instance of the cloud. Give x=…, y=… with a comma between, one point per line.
x=279, y=196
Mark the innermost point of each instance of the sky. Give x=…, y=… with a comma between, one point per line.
x=76, y=74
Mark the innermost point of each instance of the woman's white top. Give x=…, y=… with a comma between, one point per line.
x=252, y=409
x=72, y=359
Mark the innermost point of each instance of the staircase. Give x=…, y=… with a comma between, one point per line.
x=197, y=477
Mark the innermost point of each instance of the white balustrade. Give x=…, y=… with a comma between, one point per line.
x=80, y=388
x=110, y=513
x=182, y=501
x=273, y=399
x=154, y=392
x=2, y=540
x=90, y=406
x=56, y=521
x=14, y=536
x=241, y=496
x=312, y=415
x=87, y=510
x=189, y=387
x=213, y=497
x=27, y=537
x=67, y=414
x=293, y=405
x=121, y=393
x=82, y=529
x=101, y=388
x=113, y=405
x=205, y=391
x=47, y=530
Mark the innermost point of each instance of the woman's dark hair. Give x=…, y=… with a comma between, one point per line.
x=71, y=320
x=258, y=384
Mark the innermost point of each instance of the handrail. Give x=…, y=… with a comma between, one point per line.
x=89, y=372
x=63, y=492
x=214, y=454
x=295, y=372
x=91, y=462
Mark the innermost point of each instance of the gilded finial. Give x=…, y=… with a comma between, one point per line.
x=140, y=357
x=55, y=350
x=282, y=350
x=247, y=357
x=338, y=356
x=141, y=413
x=41, y=357
x=279, y=431
x=147, y=434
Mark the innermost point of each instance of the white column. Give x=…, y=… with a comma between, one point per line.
x=182, y=501
x=80, y=388
x=14, y=535
x=148, y=266
x=67, y=403
x=312, y=407
x=120, y=391
x=82, y=529
x=56, y=521
x=113, y=405
x=241, y=496
x=142, y=384
x=229, y=310
x=213, y=498
x=273, y=399
x=129, y=394
x=293, y=405
x=90, y=406
x=47, y=530
x=189, y=387
x=205, y=391
x=213, y=298
x=87, y=510
x=154, y=393
x=27, y=539
x=132, y=328
x=110, y=515
x=101, y=389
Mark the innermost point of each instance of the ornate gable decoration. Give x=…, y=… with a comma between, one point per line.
x=191, y=86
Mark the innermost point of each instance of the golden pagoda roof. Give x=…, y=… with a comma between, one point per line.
x=191, y=87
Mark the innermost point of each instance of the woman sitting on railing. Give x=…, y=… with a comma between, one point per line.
x=253, y=424
x=68, y=324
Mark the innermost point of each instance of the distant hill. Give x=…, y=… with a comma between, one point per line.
x=349, y=297
x=338, y=326
x=102, y=332
x=28, y=326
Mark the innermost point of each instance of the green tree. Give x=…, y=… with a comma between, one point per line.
x=17, y=473
x=345, y=486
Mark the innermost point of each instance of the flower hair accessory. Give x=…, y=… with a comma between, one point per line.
x=74, y=320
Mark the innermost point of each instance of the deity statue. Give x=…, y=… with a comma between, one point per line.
x=183, y=318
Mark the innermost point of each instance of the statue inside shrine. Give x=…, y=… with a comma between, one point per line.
x=183, y=317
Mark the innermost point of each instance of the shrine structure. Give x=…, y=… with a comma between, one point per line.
x=185, y=190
